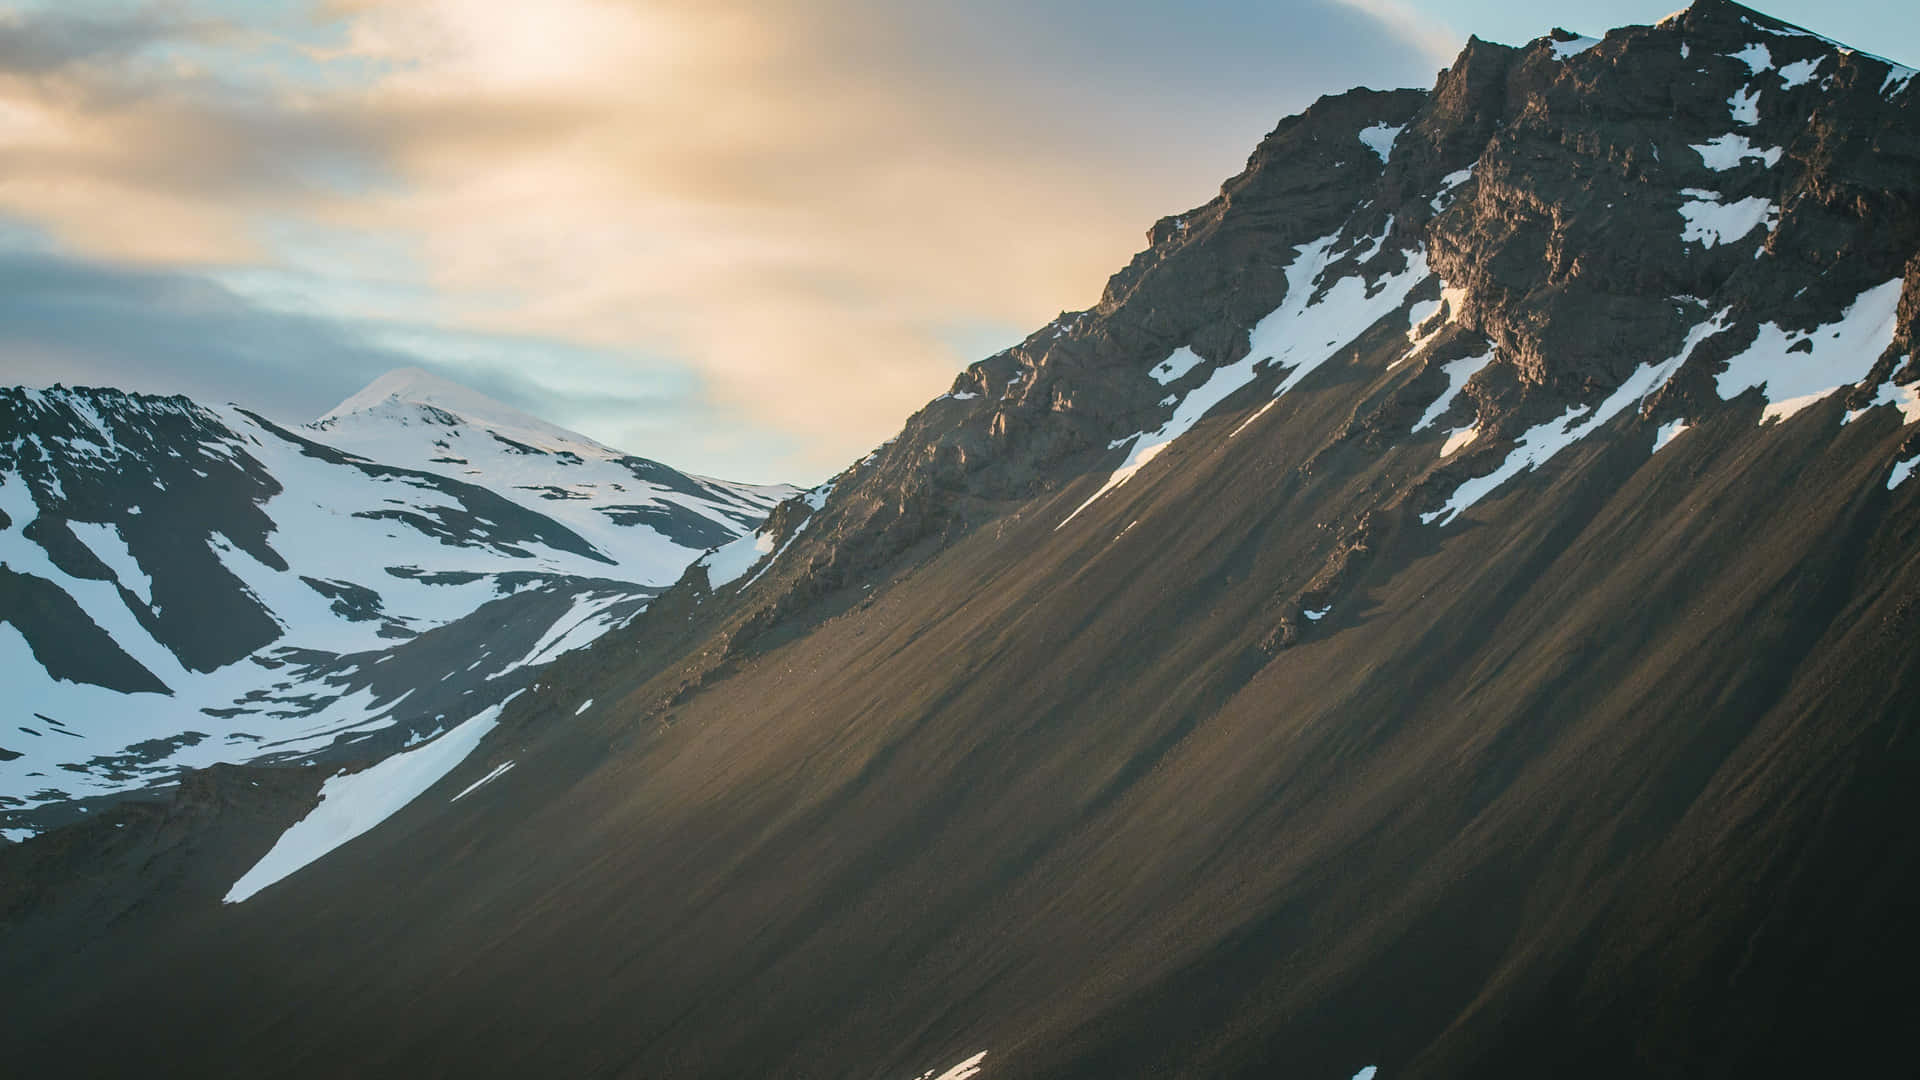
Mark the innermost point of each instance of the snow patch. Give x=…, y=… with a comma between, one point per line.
x=352, y=803
x=1459, y=438
x=729, y=562
x=1712, y=223
x=1447, y=184
x=1842, y=354
x=1756, y=57
x=1731, y=149
x=1667, y=433
x=1379, y=139
x=1301, y=334
x=1745, y=106
x=1423, y=329
x=1564, y=49
x=1540, y=443
x=1901, y=470
x=1457, y=372
x=1904, y=398
x=110, y=547
x=1799, y=73
x=1181, y=361
x=966, y=1070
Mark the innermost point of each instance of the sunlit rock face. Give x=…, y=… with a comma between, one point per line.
x=1448, y=611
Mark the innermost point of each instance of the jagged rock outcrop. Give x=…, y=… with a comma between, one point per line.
x=1447, y=608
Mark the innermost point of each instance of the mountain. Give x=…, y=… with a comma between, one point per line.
x=1447, y=611
x=184, y=584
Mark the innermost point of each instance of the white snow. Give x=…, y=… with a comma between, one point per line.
x=1540, y=443
x=415, y=420
x=816, y=499
x=1316, y=616
x=1459, y=438
x=729, y=562
x=1731, y=149
x=590, y=617
x=1181, y=361
x=1711, y=222
x=110, y=547
x=1897, y=79
x=1379, y=139
x=1371, y=1071
x=1756, y=57
x=1447, y=184
x=1667, y=432
x=497, y=771
x=18, y=835
x=1745, y=106
x=1901, y=470
x=584, y=706
x=966, y=1070
x=1423, y=329
x=1564, y=49
x=1904, y=398
x=1300, y=335
x=1457, y=372
x=281, y=700
x=1418, y=315
x=1799, y=73
x=1843, y=353
x=352, y=803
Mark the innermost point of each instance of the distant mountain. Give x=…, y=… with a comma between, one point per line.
x=183, y=584
x=1448, y=611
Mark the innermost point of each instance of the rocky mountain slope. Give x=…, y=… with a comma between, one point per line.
x=183, y=584
x=1448, y=609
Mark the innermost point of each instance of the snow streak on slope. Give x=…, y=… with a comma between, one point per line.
x=728, y=563
x=966, y=1070
x=352, y=803
x=1457, y=372
x=1305, y=331
x=1540, y=443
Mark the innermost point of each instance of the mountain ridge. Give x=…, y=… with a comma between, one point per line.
x=221, y=563
x=1426, y=699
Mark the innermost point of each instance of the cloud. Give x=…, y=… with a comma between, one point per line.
x=1433, y=36
x=82, y=322
x=49, y=42
x=797, y=202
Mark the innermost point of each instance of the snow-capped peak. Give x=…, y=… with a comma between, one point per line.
x=399, y=391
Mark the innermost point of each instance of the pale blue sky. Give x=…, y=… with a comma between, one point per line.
x=743, y=236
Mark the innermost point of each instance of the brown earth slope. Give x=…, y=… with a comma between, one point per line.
x=1264, y=763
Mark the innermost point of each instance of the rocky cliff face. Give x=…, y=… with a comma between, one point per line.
x=1449, y=607
x=1628, y=235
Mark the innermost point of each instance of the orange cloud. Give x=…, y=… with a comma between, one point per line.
x=788, y=198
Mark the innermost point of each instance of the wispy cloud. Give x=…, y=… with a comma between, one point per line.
x=793, y=203
x=1432, y=35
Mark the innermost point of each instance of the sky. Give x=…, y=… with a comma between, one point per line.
x=744, y=237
